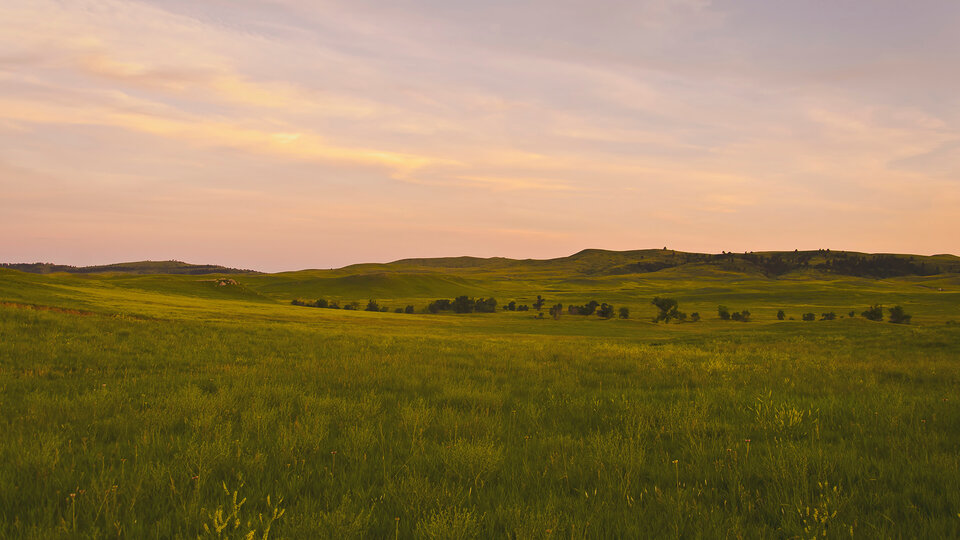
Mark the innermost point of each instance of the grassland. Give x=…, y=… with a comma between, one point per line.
x=136, y=406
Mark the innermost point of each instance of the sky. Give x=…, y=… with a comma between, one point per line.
x=289, y=134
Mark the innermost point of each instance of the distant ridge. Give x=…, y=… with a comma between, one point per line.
x=601, y=262
x=139, y=267
x=585, y=263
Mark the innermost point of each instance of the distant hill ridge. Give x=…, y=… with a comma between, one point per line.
x=588, y=262
x=599, y=262
x=139, y=267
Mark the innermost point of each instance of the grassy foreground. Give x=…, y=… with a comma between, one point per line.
x=166, y=406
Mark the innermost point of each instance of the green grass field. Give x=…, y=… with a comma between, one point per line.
x=166, y=406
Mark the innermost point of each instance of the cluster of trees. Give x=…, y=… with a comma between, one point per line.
x=372, y=305
x=513, y=306
x=880, y=266
x=600, y=309
x=725, y=314
x=872, y=313
x=463, y=304
x=669, y=310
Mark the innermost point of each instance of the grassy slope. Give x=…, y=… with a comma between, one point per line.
x=483, y=424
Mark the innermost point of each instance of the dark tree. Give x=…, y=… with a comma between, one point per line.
x=398, y=310
x=624, y=313
x=439, y=305
x=695, y=316
x=538, y=305
x=486, y=305
x=333, y=305
x=809, y=316
x=463, y=304
x=523, y=307
x=828, y=316
x=556, y=310
x=898, y=316
x=873, y=313
x=723, y=312
x=353, y=306
x=408, y=309
x=781, y=315
x=511, y=306
x=668, y=309
x=322, y=303
x=605, y=310
x=372, y=306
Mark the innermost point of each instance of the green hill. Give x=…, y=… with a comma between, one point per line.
x=139, y=267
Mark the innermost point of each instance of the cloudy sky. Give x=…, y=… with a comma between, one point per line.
x=287, y=134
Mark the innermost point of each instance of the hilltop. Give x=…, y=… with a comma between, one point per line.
x=138, y=267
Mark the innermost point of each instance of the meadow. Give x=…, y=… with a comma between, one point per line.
x=170, y=406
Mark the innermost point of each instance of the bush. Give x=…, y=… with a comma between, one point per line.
x=781, y=315
x=398, y=310
x=408, y=309
x=809, y=316
x=742, y=316
x=874, y=313
x=898, y=316
x=723, y=312
x=523, y=307
x=828, y=316
x=605, y=310
x=556, y=310
x=372, y=306
x=511, y=306
x=852, y=314
x=695, y=316
x=624, y=313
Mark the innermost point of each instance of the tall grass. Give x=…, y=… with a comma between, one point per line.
x=294, y=425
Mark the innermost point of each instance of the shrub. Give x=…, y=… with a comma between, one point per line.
x=523, y=307
x=723, y=312
x=898, y=316
x=809, y=316
x=408, y=309
x=556, y=310
x=372, y=306
x=828, y=316
x=511, y=306
x=695, y=316
x=322, y=303
x=624, y=313
x=398, y=310
x=852, y=314
x=874, y=313
x=781, y=315
x=605, y=310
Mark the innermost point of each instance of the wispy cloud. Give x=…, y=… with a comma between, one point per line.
x=694, y=113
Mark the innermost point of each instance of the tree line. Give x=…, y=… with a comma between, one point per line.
x=668, y=309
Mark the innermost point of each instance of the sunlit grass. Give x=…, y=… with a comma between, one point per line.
x=148, y=416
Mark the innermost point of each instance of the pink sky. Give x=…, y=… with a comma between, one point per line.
x=292, y=134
